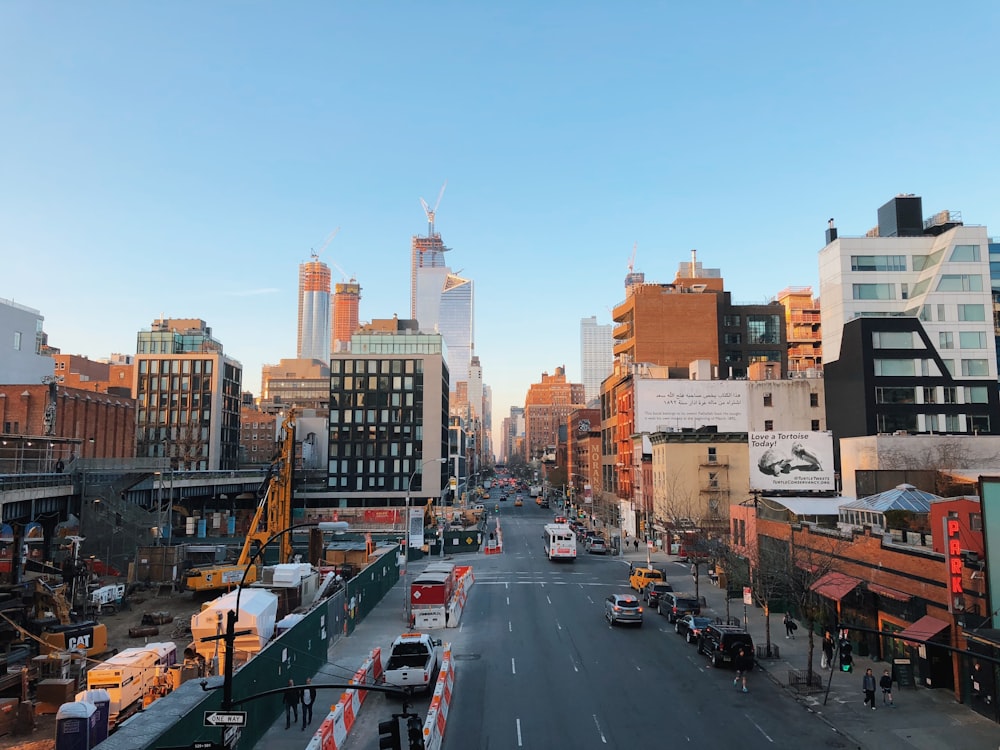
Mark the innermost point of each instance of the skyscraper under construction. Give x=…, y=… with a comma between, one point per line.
x=314, y=311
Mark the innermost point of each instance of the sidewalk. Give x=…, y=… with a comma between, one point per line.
x=923, y=719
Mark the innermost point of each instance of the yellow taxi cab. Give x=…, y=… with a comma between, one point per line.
x=641, y=577
x=518, y=503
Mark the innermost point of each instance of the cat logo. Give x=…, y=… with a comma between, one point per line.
x=84, y=641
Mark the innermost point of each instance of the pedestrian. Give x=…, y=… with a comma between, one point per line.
x=308, y=699
x=868, y=685
x=291, y=704
x=790, y=626
x=631, y=568
x=743, y=663
x=828, y=648
x=636, y=543
x=885, y=682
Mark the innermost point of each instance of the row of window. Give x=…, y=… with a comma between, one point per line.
x=909, y=422
x=813, y=399
x=175, y=366
x=376, y=366
x=177, y=416
x=732, y=356
x=976, y=367
x=959, y=254
x=973, y=394
x=954, y=282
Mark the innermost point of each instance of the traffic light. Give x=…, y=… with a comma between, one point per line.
x=415, y=732
x=388, y=735
x=846, y=659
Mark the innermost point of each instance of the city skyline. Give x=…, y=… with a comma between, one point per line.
x=182, y=161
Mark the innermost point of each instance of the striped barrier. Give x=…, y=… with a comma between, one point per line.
x=333, y=730
x=457, y=604
x=437, y=714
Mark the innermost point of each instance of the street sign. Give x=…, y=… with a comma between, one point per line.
x=747, y=596
x=225, y=718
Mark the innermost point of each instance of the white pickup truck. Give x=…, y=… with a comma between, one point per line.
x=414, y=660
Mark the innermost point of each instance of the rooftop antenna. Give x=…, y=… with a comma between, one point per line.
x=431, y=211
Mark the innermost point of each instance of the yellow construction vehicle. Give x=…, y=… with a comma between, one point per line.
x=274, y=513
x=87, y=636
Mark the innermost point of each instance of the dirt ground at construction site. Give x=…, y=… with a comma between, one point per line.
x=179, y=606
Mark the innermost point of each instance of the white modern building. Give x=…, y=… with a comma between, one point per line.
x=597, y=355
x=936, y=270
x=21, y=341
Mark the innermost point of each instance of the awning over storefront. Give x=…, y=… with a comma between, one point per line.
x=923, y=629
x=835, y=585
x=899, y=596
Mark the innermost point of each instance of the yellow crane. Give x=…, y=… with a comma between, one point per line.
x=274, y=513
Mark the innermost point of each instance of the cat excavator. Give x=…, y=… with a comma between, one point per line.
x=274, y=513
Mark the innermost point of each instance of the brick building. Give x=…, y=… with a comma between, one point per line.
x=546, y=407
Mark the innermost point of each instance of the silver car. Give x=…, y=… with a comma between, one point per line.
x=623, y=608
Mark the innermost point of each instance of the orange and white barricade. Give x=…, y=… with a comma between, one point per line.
x=437, y=713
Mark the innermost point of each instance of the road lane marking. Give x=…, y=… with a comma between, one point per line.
x=599, y=732
x=558, y=626
x=759, y=729
x=548, y=599
x=513, y=668
x=508, y=601
x=518, y=732
x=510, y=627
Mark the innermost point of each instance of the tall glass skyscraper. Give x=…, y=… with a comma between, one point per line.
x=596, y=355
x=314, y=311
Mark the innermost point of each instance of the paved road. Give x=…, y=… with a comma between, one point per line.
x=539, y=667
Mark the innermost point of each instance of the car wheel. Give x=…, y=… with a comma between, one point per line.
x=688, y=638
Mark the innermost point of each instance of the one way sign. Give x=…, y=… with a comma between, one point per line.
x=225, y=718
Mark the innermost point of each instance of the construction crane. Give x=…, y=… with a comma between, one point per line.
x=326, y=243
x=432, y=211
x=274, y=514
x=631, y=261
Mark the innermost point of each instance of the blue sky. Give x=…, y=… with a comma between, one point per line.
x=181, y=159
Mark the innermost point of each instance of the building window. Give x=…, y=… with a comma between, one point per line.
x=931, y=422
x=900, y=395
x=878, y=262
x=763, y=329
x=874, y=291
x=951, y=423
x=972, y=339
x=713, y=479
x=894, y=367
x=950, y=394
x=814, y=425
x=904, y=290
x=975, y=313
x=732, y=338
x=17, y=341
x=979, y=424
x=965, y=254
x=730, y=321
x=712, y=455
x=768, y=400
x=975, y=521
x=960, y=282
x=946, y=340
x=768, y=425
x=976, y=394
x=892, y=339
x=974, y=368
x=930, y=395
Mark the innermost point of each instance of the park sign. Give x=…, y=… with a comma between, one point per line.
x=793, y=461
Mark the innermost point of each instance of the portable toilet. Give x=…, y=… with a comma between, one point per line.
x=102, y=701
x=74, y=724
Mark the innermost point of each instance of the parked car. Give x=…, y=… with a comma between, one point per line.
x=597, y=546
x=674, y=605
x=721, y=643
x=623, y=608
x=654, y=591
x=690, y=626
x=518, y=503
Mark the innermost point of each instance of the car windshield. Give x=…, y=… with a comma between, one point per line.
x=699, y=622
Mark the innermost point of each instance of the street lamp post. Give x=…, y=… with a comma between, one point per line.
x=409, y=536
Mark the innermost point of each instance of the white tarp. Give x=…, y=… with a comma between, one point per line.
x=791, y=461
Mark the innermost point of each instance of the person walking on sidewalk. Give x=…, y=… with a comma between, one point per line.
x=743, y=663
x=868, y=685
x=308, y=699
x=291, y=705
x=636, y=543
x=828, y=648
x=790, y=626
x=885, y=682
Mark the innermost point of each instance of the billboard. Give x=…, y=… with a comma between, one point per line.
x=690, y=404
x=794, y=461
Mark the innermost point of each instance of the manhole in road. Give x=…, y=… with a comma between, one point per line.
x=466, y=657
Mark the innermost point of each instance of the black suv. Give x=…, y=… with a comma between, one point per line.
x=721, y=643
x=674, y=605
x=654, y=591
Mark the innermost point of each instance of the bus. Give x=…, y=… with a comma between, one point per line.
x=560, y=542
